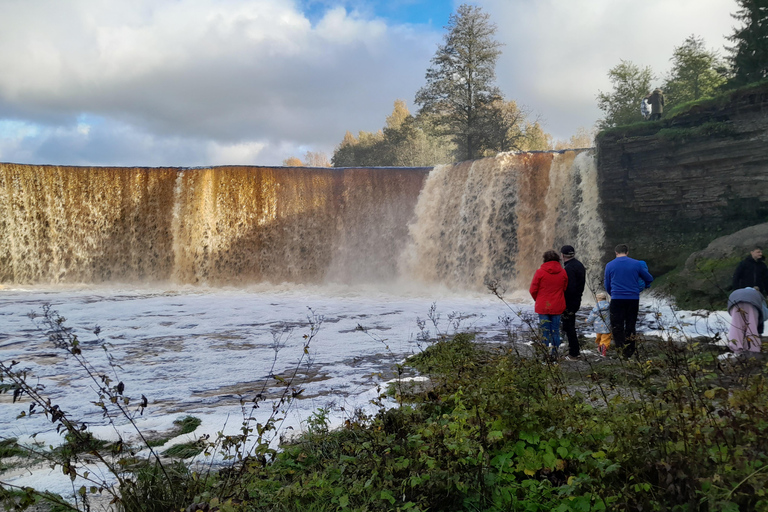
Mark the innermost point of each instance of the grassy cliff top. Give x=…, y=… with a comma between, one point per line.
x=692, y=113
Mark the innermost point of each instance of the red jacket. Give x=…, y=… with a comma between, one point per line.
x=548, y=288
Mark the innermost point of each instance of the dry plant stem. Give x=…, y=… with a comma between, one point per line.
x=62, y=337
x=289, y=392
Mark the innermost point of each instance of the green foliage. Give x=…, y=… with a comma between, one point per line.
x=185, y=425
x=77, y=444
x=453, y=357
x=655, y=434
x=709, y=130
x=631, y=84
x=25, y=497
x=9, y=448
x=404, y=142
x=153, y=488
x=696, y=73
x=676, y=117
x=185, y=450
x=749, y=55
x=461, y=79
x=495, y=430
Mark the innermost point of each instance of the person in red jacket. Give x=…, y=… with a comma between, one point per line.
x=548, y=290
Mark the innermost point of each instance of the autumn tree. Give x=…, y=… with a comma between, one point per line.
x=344, y=154
x=696, y=72
x=535, y=138
x=316, y=159
x=749, y=55
x=365, y=150
x=311, y=159
x=503, y=127
x=403, y=142
x=583, y=138
x=293, y=162
x=631, y=84
x=461, y=81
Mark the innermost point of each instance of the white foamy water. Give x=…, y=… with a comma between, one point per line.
x=194, y=351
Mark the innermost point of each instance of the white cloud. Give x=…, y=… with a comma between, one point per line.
x=558, y=52
x=207, y=82
x=236, y=73
x=336, y=26
x=235, y=154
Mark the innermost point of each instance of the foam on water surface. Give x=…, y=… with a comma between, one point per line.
x=194, y=351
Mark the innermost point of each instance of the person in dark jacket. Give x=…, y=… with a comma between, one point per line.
x=656, y=99
x=752, y=272
x=576, y=279
x=548, y=290
x=621, y=277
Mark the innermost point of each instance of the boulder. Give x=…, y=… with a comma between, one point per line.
x=737, y=244
x=704, y=281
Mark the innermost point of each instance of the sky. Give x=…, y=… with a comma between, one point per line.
x=254, y=82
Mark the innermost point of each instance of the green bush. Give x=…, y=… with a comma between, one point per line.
x=674, y=429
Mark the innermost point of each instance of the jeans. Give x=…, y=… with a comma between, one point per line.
x=550, y=329
x=623, y=320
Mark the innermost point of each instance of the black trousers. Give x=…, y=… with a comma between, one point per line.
x=568, y=324
x=623, y=321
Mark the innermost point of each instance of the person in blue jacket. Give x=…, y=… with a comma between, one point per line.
x=621, y=283
x=641, y=284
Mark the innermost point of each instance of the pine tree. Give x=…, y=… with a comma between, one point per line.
x=749, y=56
x=460, y=81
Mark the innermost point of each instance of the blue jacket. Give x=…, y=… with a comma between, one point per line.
x=621, y=278
x=641, y=284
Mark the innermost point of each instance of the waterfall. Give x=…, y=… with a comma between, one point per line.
x=491, y=220
x=456, y=225
x=217, y=226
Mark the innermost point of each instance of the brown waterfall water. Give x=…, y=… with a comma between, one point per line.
x=493, y=219
x=458, y=225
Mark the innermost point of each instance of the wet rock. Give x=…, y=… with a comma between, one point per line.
x=704, y=281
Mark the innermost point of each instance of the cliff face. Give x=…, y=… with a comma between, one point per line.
x=671, y=187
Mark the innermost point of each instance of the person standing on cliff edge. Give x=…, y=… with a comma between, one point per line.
x=656, y=99
x=621, y=283
x=576, y=279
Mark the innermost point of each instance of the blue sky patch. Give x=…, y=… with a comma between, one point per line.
x=417, y=12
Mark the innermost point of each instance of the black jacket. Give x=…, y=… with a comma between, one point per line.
x=577, y=276
x=751, y=273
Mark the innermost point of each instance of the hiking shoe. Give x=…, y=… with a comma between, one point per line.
x=572, y=358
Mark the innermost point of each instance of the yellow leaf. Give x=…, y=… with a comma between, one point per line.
x=529, y=472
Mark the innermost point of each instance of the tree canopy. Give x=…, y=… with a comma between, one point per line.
x=749, y=55
x=696, y=72
x=402, y=143
x=460, y=88
x=631, y=84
